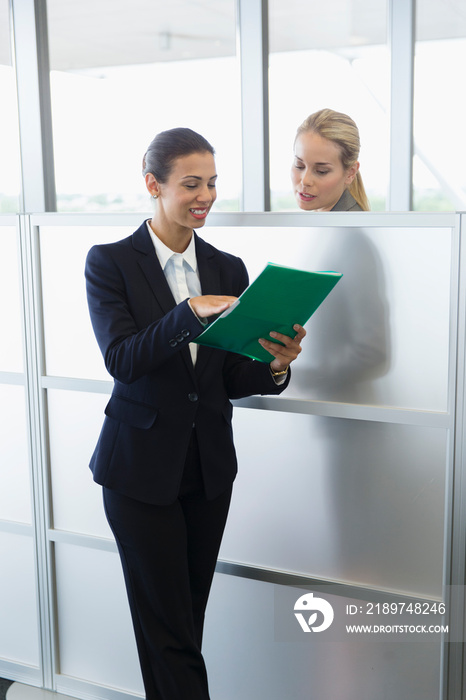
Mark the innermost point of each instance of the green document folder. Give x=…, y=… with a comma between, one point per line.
x=275, y=301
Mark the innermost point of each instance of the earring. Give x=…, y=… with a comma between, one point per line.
x=155, y=196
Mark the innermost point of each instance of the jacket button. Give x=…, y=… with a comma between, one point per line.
x=179, y=338
x=185, y=333
x=173, y=342
x=193, y=397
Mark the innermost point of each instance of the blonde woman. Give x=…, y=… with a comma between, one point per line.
x=325, y=172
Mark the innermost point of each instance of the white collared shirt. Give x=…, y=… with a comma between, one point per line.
x=181, y=273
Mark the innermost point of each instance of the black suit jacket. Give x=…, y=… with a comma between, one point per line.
x=158, y=394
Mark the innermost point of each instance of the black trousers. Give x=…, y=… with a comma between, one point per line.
x=168, y=554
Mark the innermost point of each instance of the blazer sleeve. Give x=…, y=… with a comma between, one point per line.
x=244, y=376
x=130, y=347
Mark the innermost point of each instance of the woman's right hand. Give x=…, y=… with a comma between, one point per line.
x=210, y=304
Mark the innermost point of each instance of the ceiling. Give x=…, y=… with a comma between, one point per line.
x=103, y=33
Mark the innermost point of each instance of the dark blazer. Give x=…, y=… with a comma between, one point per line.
x=158, y=394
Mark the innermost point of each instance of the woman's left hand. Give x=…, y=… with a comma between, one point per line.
x=286, y=353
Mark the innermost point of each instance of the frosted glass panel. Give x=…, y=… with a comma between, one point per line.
x=18, y=612
x=380, y=333
x=96, y=640
x=339, y=499
x=245, y=659
x=15, y=491
x=70, y=346
x=11, y=352
x=382, y=336
x=75, y=420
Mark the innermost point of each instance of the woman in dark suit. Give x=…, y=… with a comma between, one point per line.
x=165, y=456
x=325, y=172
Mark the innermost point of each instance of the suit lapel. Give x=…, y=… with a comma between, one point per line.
x=209, y=275
x=150, y=266
x=152, y=270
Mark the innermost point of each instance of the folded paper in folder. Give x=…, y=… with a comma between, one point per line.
x=277, y=299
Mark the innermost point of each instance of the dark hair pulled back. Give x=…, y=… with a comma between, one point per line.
x=169, y=145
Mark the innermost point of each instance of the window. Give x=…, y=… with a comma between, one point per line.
x=439, y=177
x=9, y=131
x=329, y=55
x=156, y=65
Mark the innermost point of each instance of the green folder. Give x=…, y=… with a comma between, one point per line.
x=275, y=301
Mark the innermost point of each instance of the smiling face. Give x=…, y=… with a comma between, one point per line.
x=317, y=174
x=185, y=199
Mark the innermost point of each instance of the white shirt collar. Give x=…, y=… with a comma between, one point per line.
x=164, y=253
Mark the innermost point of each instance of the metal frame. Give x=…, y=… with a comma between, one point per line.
x=29, y=22
x=31, y=675
x=35, y=398
x=454, y=676
x=253, y=49
x=401, y=41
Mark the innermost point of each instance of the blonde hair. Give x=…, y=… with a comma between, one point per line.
x=342, y=130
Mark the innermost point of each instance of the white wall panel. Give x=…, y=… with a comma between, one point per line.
x=381, y=330
x=339, y=499
x=70, y=346
x=11, y=349
x=19, y=636
x=248, y=660
x=95, y=636
x=75, y=419
x=384, y=328
x=15, y=489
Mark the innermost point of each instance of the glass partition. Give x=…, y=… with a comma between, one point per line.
x=340, y=500
x=305, y=667
x=361, y=500
x=70, y=346
x=96, y=640
x=15, y=490
x=11, y=352
x=383, y=328
x=372, y=341
x=18, y=587
x=75, y=419
x=19, y=615
x=345, y=478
